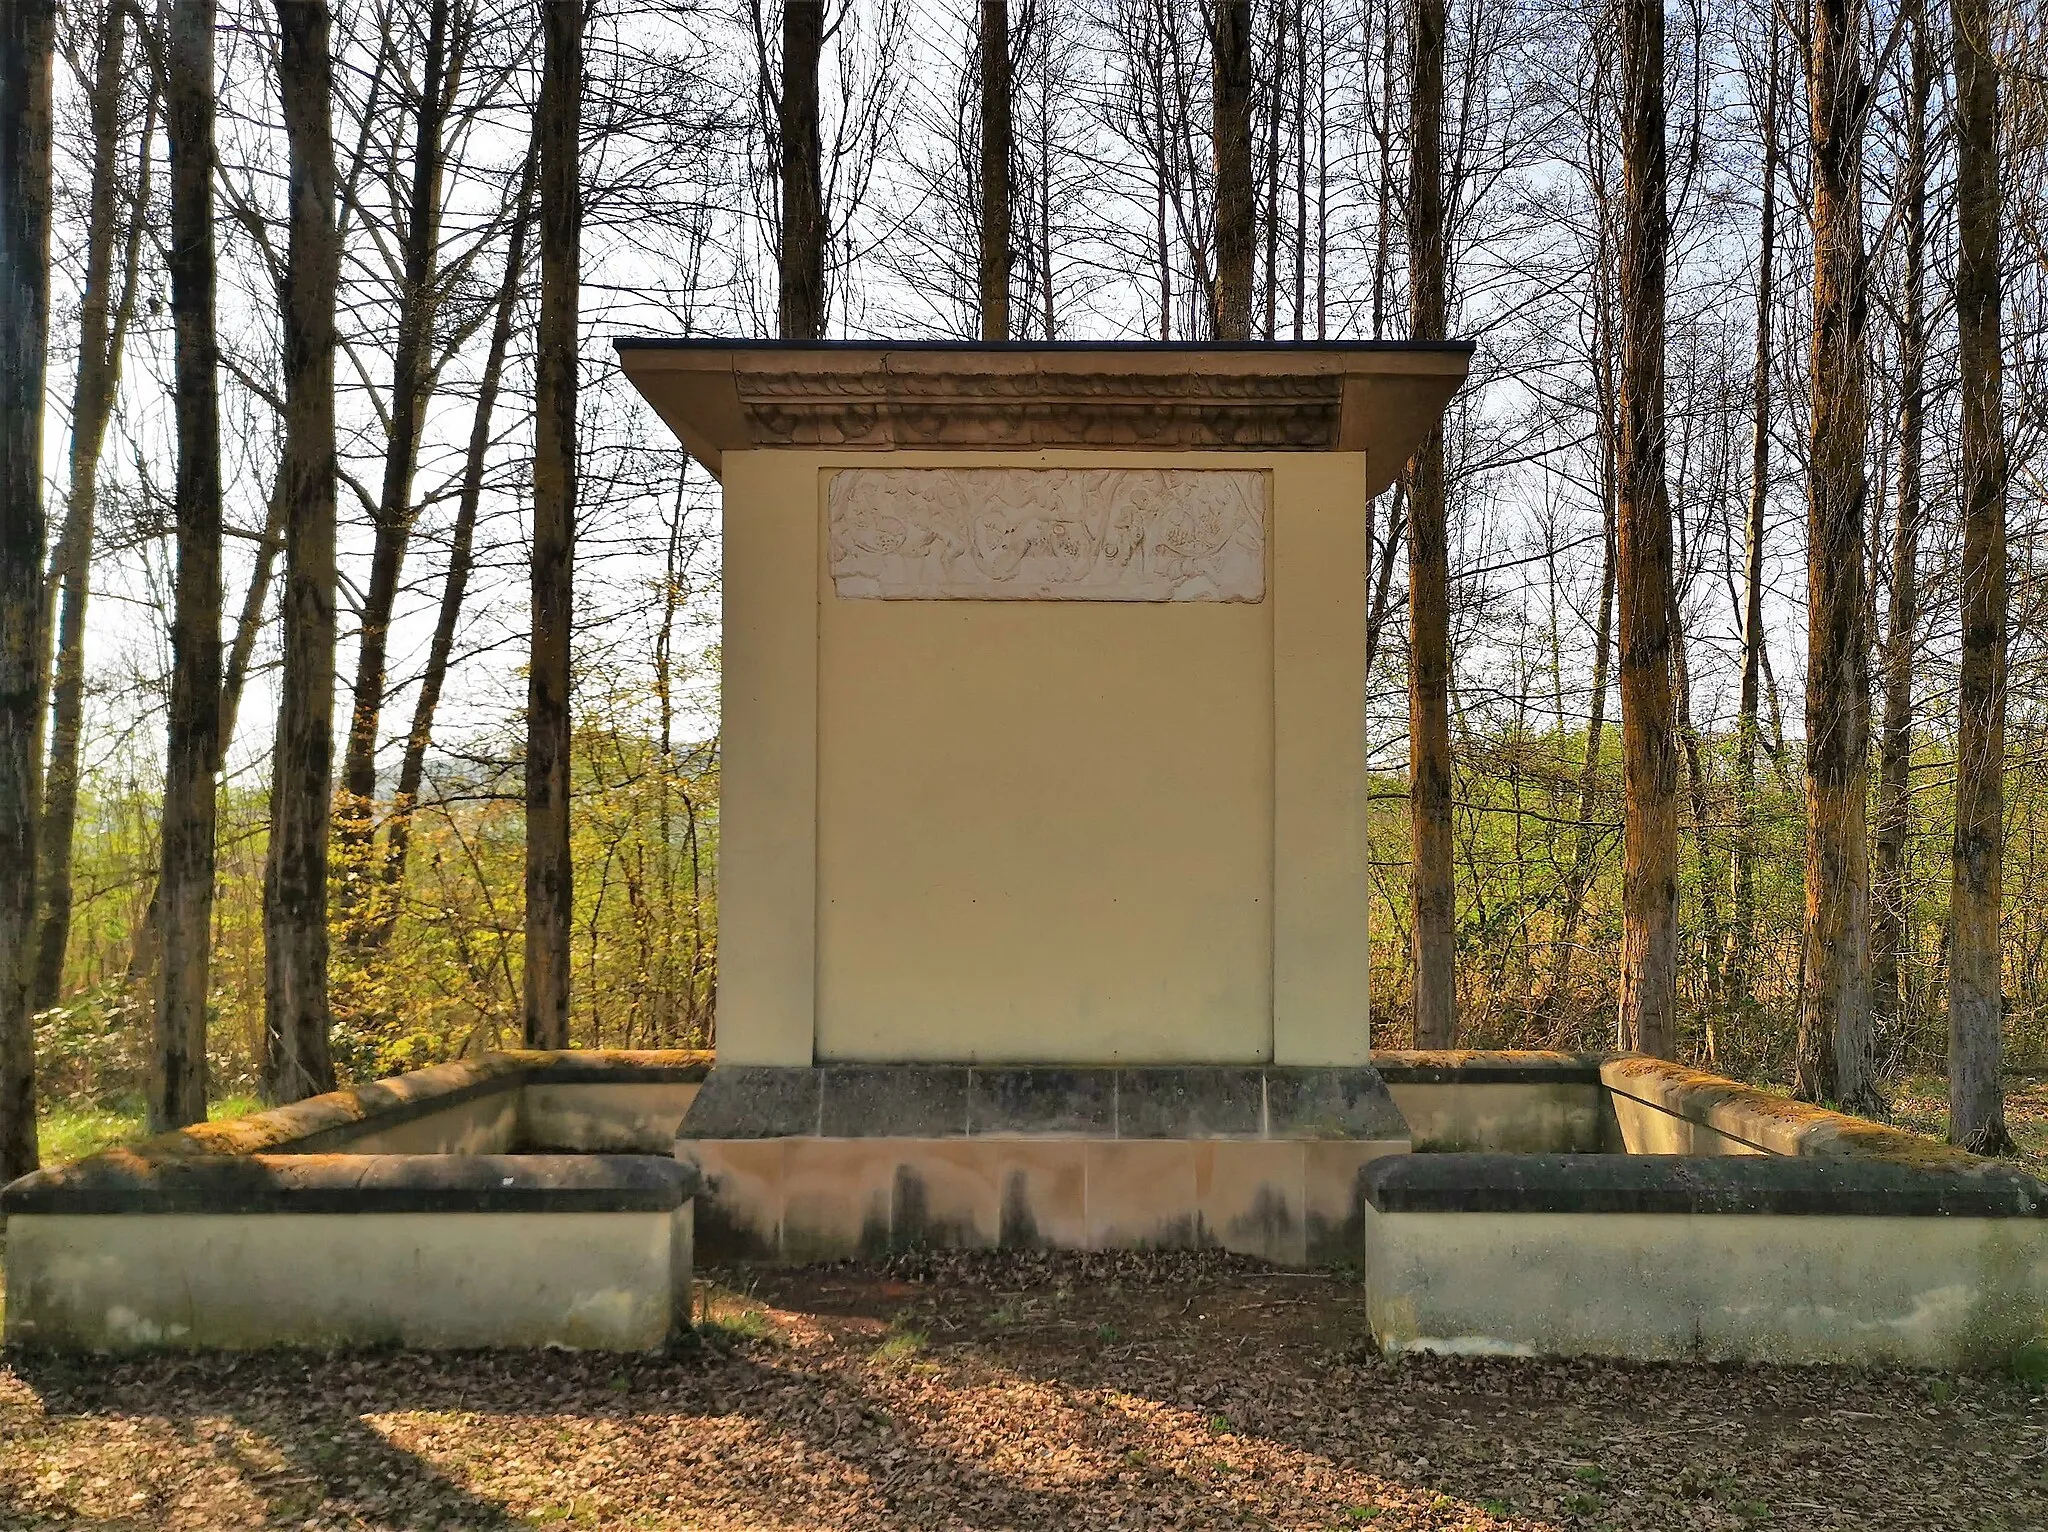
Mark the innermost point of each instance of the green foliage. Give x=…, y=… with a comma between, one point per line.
x=426, y=968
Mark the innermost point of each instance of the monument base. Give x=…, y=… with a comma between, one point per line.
x=838, y=1161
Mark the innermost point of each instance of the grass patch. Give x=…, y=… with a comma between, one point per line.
x=67, y=1131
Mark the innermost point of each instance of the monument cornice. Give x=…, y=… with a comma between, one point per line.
x=1374, y=397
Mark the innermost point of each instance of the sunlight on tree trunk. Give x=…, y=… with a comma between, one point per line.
x=1649, y=958
x=1835, y=1051
x=184, y=968
x=296, y=1059
x=549, y=870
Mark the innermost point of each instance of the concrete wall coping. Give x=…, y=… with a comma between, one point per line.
x=1192, y=1101
x=328, y=1122
x=1774, y=1184
x=1774, y=1124
x=1473, y=1066
x=122, y=1182
x=321, y=1127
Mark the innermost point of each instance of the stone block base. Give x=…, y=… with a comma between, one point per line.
x=832, y=1163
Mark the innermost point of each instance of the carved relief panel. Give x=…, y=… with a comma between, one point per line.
x=1048, y=534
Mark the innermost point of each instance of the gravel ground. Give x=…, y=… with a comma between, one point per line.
x=985, y=1392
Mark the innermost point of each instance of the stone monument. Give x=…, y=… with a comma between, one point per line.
x=1042, y=861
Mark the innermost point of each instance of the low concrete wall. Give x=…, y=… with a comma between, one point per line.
x=328, y=1250
x=1962, y=1292
x=601, y=1281
x=1758, y=1259
x=392, y=1213
x=1506, y=1103
x=1667, y=1108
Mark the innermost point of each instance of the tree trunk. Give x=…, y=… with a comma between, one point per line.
x=27, y=50
x=185, y=916
x=1231, y=93
x=1975, y=994
x=296, y=1060
x=249, y=625
x=549, y=904
x=1649, y=957
x=1429, y=609
x=1697, y=800
x=1737, y=973
x=411, y=389
x=800, y=308
x=1834, y=1047
x=102, y=333
x=995, y=169
x=412, y=772
x=1272, y=169
x=1888, y=927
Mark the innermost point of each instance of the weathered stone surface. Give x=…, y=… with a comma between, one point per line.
x=754, y=1101
x=891, y=1101
x=1679, y=1184
x=356, y=1183
x=1031, y=1101
x=1048, y=534
x=1212, y=1101
x=1330, y=1103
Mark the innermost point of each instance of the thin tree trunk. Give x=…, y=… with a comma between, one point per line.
x=1383, y=226
x=995, y=169
x=1585, y=844
x=185, y=915
x=1738, y=973
x=1232, y=102
x=549, y=872
x=411, y=389
x=249, y=625
x=412, y=772
x=296, y=1059
x=1834, y=1046
x=1976, y=1011
x=1300, y=170
x=1272, y=177
x=1649, y=957
x=1888, y=927
x=27, y=52
x=1429, y=610
x=800, y=307
x=102, y=332
x=1702, y=812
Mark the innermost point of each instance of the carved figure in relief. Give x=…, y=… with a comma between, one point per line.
x=1048, y=534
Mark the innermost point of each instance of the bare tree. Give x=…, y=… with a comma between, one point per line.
x=1835, y=1054
x=412, y=377
x=1649, y=961
x=455, y=584
x=296, y=1058
x=103, y=320
x=27, y=51
x=1976, y=1009
x=1429, y=603
x=178, y=1078
x=1231, y=77
x=800, y=309
x=1888, y=928
x=549, y=871
x=995, y=169
x=1736, y=974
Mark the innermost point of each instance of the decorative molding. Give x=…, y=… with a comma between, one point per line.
x=1048, y=534
x=1032, y=409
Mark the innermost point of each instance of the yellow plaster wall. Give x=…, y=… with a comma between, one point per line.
x=1042, y=832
